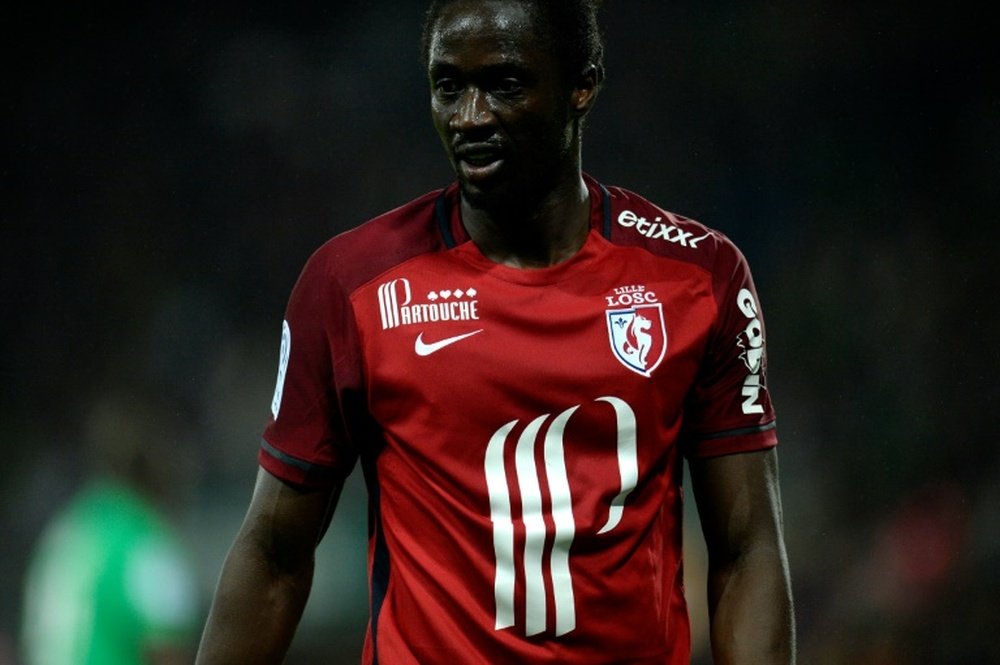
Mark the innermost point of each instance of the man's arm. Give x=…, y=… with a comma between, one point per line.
x=167, y=656
x=267, y=575
x=749, y=591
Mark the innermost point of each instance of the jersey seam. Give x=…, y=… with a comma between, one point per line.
x=739, y=431
x=290, y=460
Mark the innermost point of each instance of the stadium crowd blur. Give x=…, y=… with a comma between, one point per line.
x=167, y=171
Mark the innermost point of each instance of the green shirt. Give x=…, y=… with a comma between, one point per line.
x=108, y=581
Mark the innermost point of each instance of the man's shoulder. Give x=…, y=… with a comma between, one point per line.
x=638, y=222
x=355, y=256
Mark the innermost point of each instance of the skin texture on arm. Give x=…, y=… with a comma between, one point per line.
x=749, y=591
x=267, y=575
x=163, y=655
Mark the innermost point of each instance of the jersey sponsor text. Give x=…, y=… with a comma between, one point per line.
x=751, y=340
x=657, y=229
x=397, y=308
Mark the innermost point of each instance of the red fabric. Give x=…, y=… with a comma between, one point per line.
x=542, y=394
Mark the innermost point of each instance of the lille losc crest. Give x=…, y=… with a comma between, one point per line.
x=638, y=336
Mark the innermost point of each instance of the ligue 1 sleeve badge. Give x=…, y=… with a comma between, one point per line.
x=636, y=330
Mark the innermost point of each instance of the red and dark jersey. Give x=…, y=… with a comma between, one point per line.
x=521, y=431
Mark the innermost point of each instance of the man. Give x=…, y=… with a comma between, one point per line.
x=110, y=582
x=519, y=362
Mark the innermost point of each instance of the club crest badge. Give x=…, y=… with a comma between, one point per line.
x=636, y=329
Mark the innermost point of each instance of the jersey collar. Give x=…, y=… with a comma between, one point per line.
x=453, y=233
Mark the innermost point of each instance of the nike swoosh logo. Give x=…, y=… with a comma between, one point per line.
x=424, y=349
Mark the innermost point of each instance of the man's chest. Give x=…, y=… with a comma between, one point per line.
x=441, y=336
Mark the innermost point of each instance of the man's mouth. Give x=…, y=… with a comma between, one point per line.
x=478, y=162
x=479, y=157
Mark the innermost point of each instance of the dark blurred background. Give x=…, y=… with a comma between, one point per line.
x=167, y=171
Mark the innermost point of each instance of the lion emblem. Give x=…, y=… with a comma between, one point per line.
x=638, y=337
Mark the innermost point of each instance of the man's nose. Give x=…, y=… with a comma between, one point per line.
x=473, y=111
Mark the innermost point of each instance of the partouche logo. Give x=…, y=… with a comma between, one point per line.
x=545, y=524
x=397, y=306
x=636, y=330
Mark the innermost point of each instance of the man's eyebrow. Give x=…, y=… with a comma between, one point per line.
x=507, y=68
x=438, y=68
x=492, y=70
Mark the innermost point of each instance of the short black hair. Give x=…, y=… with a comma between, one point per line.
x=571, y=25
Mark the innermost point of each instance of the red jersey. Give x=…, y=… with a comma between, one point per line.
x=521, y=431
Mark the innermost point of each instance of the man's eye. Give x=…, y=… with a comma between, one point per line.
x=509, y=86
x=446, y=87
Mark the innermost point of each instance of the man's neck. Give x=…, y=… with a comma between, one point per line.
x=539, y=235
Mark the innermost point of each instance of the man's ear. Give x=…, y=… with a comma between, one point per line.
x=585, y=89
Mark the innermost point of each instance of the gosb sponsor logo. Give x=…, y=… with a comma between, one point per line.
x=658, y=229
x=397, y=306
x=533, y=517
x=636, y=329
x=751, y=340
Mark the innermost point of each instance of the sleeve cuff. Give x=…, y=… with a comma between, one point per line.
x=728, y=442
x=297, y=471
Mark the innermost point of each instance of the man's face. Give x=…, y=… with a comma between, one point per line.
x=500, y=102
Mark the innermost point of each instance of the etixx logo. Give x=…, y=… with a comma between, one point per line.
x=636, y=329
x=668, y=230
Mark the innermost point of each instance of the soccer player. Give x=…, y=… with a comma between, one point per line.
x=520, y=362
x=110, y=582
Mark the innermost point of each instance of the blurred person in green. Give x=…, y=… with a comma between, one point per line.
x=109, y=582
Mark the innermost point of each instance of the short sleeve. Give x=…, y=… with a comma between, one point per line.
x=729, y=410
x=305, y=441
